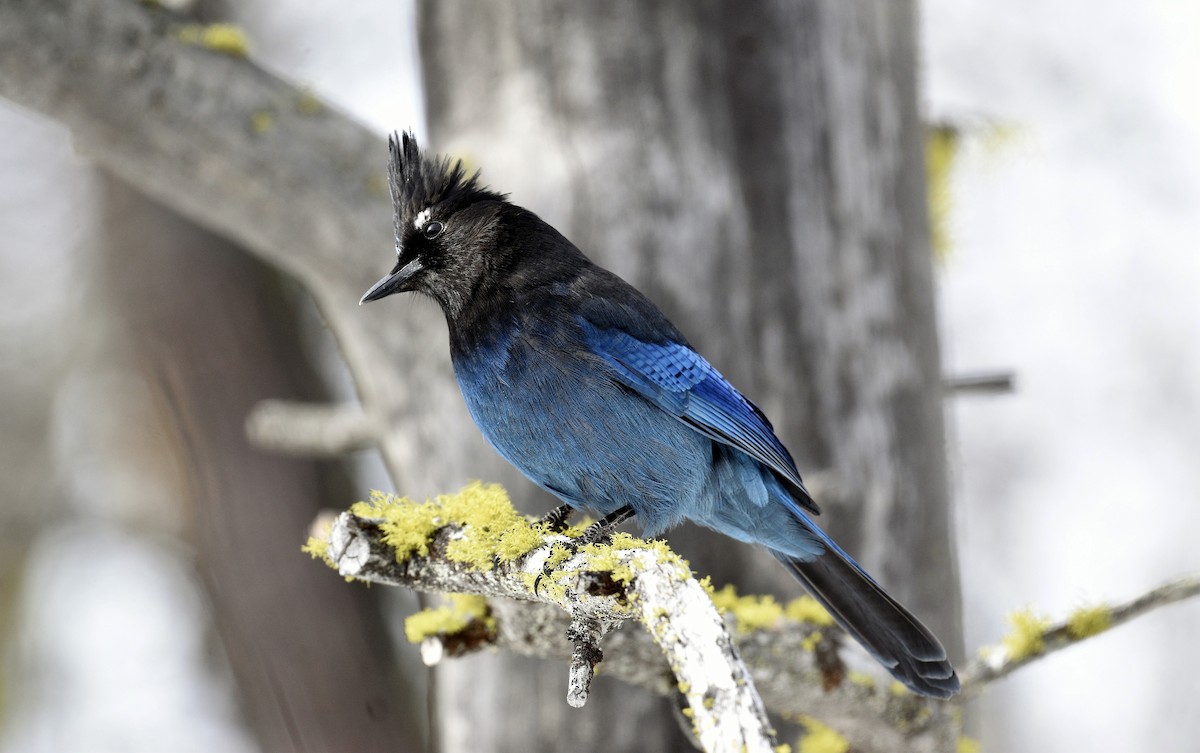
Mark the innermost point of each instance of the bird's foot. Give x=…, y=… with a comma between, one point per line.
x=602, y=530
x=599, y=532
x=555, y=521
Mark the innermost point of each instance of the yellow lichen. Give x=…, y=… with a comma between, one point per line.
x=317, y=545
x=783, y=748
x=224, y=38
x=459, y=612
x=605, y=558
x=318, y=548
x=492, y=528
x=308, y=103
x=898, y=689
x=1028, y=634
x=808, y=609
x=559, y=554
x=811, y=640
x=821, y=738
x=406, y=525
x=262, y=121
x=684, y=686
x=750, y=612
x=492, y=531
x=941, y=151
x=967, y=745
x=862, y=679
x=1089, y=621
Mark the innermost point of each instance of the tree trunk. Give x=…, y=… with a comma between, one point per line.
x=207, y=330
x=756, y=169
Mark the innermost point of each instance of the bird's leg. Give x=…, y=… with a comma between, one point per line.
x=602, y=530
x=556, y=520
x=598, y=532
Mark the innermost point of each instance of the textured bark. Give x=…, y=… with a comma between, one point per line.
x=681, y=650
x=726, y=712
x=246, y=154
x=756, y=169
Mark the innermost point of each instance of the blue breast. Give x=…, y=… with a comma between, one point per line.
x=558, y=414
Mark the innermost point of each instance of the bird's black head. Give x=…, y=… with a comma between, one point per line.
x=446, y=225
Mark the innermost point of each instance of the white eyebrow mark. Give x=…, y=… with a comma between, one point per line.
x=422, y=218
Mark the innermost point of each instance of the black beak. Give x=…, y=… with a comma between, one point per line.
x=392, y=283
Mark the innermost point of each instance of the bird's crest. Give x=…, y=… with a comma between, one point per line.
x=419, y=183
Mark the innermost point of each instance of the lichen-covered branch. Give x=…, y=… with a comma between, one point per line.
x=635, y=601
x=1033, y=637
x=475, y=543
x=535, y=596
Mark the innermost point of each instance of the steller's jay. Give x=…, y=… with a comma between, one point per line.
x=584, y=385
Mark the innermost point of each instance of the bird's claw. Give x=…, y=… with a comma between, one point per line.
x=555, y=521
x=600, y=532
x=572, y=546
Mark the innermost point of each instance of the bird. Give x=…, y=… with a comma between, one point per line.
x=579, y=381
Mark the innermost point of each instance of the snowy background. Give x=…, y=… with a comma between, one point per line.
x=1074, y=262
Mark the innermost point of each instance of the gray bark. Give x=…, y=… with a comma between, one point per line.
x=312, y=659
x=756, y=169
x=307, y=194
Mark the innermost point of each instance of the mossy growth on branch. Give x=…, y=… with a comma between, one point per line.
x=751, y=612
x=966, y=744
x=1028, y=636
x=1088, y=621
x=308, y=103
x=456, y=615
x=807, y=609
x=861, y=679
x=318, y=543
x=261, y=122
x=821, y=738
x=492, y=530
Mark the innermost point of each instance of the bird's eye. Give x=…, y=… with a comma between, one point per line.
x=433, y=229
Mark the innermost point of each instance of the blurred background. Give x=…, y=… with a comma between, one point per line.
x=133, y=342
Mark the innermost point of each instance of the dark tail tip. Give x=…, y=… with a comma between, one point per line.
x=887, y=630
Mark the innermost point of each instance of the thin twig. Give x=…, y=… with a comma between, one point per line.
x=981, y=383
x=311, y=429
x=997, y=662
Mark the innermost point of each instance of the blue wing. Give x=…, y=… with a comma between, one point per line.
x=679, y=381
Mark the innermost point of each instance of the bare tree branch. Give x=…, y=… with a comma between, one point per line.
x=240, y=151
x=980, y=383
x=311, y=429
x=1000, y=661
